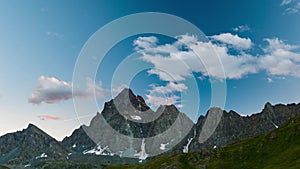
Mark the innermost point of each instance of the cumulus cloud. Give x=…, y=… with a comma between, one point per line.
x=280, y=58
x=241, y=28
x=234, y=40
x=165, y=95
x=169, y=88
x=52, y=90
x=178, y=64
x=145, y=42
x=175, y=62
x=159, y=100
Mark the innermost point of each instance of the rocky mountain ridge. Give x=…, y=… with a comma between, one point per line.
x=234, y=127
x=128, y=115
x=31, y=145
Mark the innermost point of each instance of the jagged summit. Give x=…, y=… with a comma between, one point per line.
x=137, y=101
x=32, y=127
x=128, y=99
x=126, y=119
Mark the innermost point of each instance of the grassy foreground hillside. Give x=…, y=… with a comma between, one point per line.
x=277, y=149
x=3, y=167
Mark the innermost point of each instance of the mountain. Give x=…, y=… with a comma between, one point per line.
x=29, y=146
x=277, y=149
x=233, y=127
x=127, y=131
x=125, y=124
x=127, y=114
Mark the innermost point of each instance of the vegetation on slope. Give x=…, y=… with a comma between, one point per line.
x=3, y=167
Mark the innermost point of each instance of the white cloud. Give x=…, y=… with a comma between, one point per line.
x=52, y=90
x=159, y=100
x=291, y=6
x=277, y=44
x=168, y=68
x=145, y=42
x=235, y=66
x=290, y=11
x=285, y=2
x=234, y=40
x=165, y=95
x=169, y=88
x=175, y=62
x=241, y=28
x=280, y=58
x=180, y=64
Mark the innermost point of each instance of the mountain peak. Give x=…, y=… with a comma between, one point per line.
x=125, y=91
x=32, y=127
x=127, y=97
x=268, y=104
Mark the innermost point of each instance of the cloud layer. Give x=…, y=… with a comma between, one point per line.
x=177, y=61
x=52, y=90
x=172, y=64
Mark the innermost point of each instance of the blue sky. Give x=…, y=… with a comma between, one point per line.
x=41, y=40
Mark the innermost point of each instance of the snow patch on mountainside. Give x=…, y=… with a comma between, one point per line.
x=276, y=126
x=44, y=155
x=142, y=154
x=27, y=165
x=163, y=146
x=186, y=148
x=98, y=150
x=135, y=117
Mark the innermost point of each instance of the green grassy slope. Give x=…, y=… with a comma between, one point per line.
x=3, y=167
x=277, y=149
